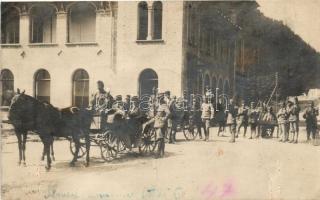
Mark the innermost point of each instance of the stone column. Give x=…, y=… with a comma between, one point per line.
x=24, y=27
x=150, y=21
x=62, y=32
x=101, y=27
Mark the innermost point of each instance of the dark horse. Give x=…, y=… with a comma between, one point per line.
x=29, y=114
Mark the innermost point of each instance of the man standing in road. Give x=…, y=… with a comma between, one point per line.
x=102, y=102
x=206, y=115
x=310, y=116
x=294, y=111
x=160, y=120
x=282, y=116
x=242, y=119
x=231, y=119
x=253, y=115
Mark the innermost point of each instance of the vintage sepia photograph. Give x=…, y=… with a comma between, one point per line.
x=160, y=100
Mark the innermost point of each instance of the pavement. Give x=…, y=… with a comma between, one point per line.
x=247, y=169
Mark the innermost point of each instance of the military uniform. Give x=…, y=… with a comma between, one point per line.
x=294, y=122
x=220, y=117
x=282, y=116
x=160, y=125
x=206, y=115
x=133, y=115
x=101, y=105
x=242, y=120
x=177, y=116
x=195, y=117
x=231, y=120
x=271, y=120
x=253, y=115
x=310, y=116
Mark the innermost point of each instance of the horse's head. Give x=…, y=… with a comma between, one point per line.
x=18, y=102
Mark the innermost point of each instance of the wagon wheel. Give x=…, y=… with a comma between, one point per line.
x=82, y=149
x=109, y=147
x=190, y=132
x=148, y=143
x=108, y=153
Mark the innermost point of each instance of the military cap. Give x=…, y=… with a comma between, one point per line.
x=100, y=83
x=118, y=98
x=160, y=95
x=134, y=98
x=167, y=92
x=128, y=96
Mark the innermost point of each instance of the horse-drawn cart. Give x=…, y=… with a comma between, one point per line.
x=116, y=135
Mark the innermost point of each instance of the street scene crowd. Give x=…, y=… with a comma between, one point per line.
x=166, y=113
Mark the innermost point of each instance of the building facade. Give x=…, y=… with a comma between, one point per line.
x=57, y=51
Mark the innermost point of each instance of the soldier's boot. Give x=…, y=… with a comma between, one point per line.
x=200, y=135
x=232, y=140
x=308, y=136
x=158, y=148
x=245, y=132
x=162, y=146
x=174, y=137
x=170, y=137
x=297, y=135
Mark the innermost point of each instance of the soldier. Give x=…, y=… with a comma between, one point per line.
x=101, y=99
x=282, y=116
x=169, y=103
x=294, y=111
x=118, y=105
x=262, y=110
x=195, y=115
x=160, y=120
x=126, y=104
x=177, y=116
x=220, y=117
x=310, y=116
x=242, y=119
x=102, y=103
x=270, y=119
x=253, y=115
x=206, y=115
x=231, y=119
x=134, y=114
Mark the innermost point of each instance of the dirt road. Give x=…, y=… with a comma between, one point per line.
x=248, y=169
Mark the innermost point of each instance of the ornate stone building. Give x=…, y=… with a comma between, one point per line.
x=57, y=51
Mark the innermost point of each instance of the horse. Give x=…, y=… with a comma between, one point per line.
x=29, y=114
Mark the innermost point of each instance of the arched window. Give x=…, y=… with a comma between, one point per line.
x=43, y=24
x=10, y=20
x=80, y=88
x=7, y=87
x=207, y=82
x=42, y=85
x=214, y=84
x=148, y=81
x=200, y=85
x=142, y=20
x=220, y=86
x=82, y=23
x=226, y=87
x=157, y=20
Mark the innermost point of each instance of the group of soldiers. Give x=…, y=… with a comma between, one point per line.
x=166, y=113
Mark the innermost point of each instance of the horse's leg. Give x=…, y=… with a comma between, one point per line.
x=24, y=142
x=50, y=140
x=52, y=152
x=76, y=140
x=43, y=153
x=87, y=138
x=18, y=134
